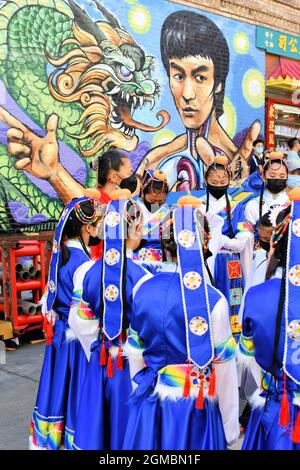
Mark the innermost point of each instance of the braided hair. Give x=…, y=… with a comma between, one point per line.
x=278, y=259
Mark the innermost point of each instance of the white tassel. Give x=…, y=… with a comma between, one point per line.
x=70, y=335
x=175, y=393
x=256, y=401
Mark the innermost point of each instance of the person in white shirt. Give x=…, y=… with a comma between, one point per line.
x=234, y=260
x=274, y=191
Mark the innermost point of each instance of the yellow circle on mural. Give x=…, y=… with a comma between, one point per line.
x=130, y=1
x=254, y=88
x=241, y=43
x=228, y=118
x=139, y=19
x=163, y=137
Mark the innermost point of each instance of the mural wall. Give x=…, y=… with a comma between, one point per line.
x=153, y=78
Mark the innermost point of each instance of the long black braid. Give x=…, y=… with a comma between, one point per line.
x=279, y=259
x=261, y=200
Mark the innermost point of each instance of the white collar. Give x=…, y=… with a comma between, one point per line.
x=273, y=197
x=73, y=243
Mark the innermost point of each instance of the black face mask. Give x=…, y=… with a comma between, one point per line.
x=276, y=185
x=93, y=241
x=217, y=191
x=265, y=245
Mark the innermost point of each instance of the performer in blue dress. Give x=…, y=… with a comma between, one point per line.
x=100, y=317
x=270, y=341
x=187, y=395
x=64, y=366
x=234, y=261
x=154, y=192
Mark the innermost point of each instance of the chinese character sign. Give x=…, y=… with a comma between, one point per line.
x=278, y=43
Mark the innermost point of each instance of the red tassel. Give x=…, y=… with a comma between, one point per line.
x=212, y=384
x=200, y=399
x=284, y=417
x=295, y=437
x=110, y=367
x=48, y=329
x=103, y=352
x=187, y=383
x=120, y=359
x=120, y=351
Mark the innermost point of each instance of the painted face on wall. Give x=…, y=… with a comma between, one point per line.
x=192, y=83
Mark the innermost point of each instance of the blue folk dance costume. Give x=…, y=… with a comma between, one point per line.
x=54, y=417
x=233, y=262
x=100, y=316
x=151, y=253
x=275, y=419
x=180, y=328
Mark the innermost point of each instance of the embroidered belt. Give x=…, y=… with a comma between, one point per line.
x=175, y=375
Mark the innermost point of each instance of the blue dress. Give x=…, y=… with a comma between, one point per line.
x=103, y=409
x=257, y=340
x=150, y=254
x=160, y=418
x=228, y=272
x=63, y=371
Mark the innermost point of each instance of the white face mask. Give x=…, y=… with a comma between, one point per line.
x=259, y=150
x=293, y=181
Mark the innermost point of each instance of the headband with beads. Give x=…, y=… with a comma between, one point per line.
x=151, y=176
x=280, y=230
x=220, y=160
x=82, y=217
x=55, y=258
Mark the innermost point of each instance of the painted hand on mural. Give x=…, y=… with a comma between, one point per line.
x=36, y=155
x=239, y=164
x=39, y=155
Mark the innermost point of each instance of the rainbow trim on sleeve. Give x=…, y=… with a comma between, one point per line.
x=225, y=351
x=246, y=345
x=245, y=227
x=76, y=297
x=134, y=341
x=84, y=311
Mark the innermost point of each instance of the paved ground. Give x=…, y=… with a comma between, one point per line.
x=19, y=379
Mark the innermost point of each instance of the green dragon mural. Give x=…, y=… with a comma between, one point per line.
x=92, y=74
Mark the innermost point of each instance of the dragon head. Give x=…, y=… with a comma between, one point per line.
x=110, y=76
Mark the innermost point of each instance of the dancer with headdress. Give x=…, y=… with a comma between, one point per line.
x=152, y=201
x=100, y=319
x=186, y=397
x=273, y=193
x=233, y=262
x=269, y=342
x=63, y=371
